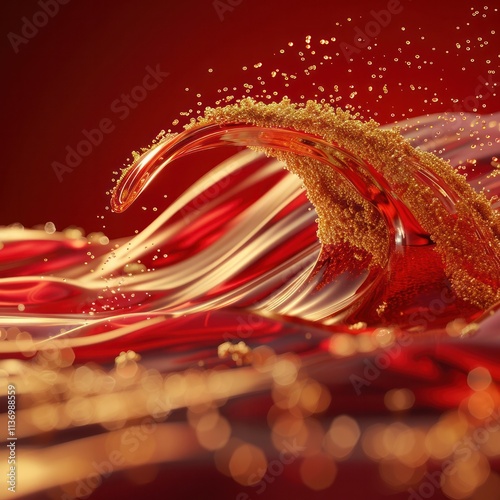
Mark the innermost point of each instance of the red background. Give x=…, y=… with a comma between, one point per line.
x=66, y=77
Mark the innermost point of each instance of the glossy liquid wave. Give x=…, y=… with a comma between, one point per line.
x=218, y=247
x=237, y=258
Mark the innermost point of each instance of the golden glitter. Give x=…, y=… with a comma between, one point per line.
x=384, y=337
x=345, y=216
x=399, y=399
x=455, y=327
x=98, y=238
x=481, y=405
x=479, y=378
x=73, y=233
x=247, y=464
x=381, y=308
x=318, y=471
x=342, y=437
x=358, y=326
x=240, y=353
x=50, y=228
x=470, y=329
x=126, y=357
x=342, y=345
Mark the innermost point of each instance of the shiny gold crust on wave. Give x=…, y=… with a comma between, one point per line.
x=472, y=266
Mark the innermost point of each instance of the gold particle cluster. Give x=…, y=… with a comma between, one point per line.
x=240, y=353
x=345, y=216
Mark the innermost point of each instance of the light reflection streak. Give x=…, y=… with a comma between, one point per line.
x=57, y=392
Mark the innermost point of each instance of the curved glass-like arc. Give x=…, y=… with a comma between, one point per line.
x=236, y=259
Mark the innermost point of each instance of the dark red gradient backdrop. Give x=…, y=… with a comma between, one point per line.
x=66, y=77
